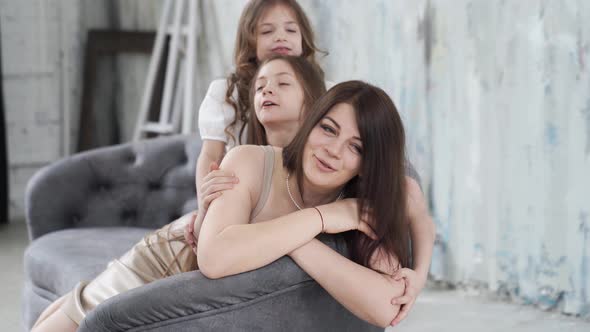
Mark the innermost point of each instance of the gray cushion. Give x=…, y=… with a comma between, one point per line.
x=57, y=261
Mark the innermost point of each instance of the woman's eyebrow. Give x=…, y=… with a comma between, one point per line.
x=271, y=24
x=335, y=123
x=279, y=74
x=338, y=126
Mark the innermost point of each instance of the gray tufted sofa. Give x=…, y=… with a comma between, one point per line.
x=89, y=208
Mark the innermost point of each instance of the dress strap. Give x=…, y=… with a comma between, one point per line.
x=269, y=162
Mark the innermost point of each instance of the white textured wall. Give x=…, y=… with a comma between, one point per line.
x=509, y=106
x=33, y=74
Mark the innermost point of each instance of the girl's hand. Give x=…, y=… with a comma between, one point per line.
x=414, y=285
x=342, y=216
x=189, y=235
x=214, y=184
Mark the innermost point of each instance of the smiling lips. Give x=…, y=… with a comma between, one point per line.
x=323, y=166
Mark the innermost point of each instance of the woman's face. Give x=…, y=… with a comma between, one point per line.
x=332, y=154
x=278, y=98
x=278, y=32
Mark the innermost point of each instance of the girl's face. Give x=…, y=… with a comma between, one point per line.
x=278, y=98
x=332, y=154
x=278, y=32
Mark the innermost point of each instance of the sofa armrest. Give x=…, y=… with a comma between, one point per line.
x=277, y=297
x=142, y=184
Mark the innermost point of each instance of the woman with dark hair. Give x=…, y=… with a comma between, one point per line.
x=342, y=173
x=379, y=186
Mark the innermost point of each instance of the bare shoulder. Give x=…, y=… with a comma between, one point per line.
x=415, y=197
x=243, y=158
x=252, y=155
x=247, y=162
x=413, y=188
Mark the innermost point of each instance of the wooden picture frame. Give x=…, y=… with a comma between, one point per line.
x=107, y=43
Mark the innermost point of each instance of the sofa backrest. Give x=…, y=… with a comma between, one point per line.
x=147, y=183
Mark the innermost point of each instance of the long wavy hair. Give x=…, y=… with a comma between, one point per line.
x=245, y=56
x=380, y=187
x=309, y=76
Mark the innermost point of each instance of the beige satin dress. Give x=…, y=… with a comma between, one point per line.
x=158, y=255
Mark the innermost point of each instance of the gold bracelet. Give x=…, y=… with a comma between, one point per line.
x=321, y=217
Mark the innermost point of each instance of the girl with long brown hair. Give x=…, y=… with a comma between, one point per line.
x=266, y=28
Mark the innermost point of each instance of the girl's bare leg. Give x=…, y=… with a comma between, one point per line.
x=53, y=319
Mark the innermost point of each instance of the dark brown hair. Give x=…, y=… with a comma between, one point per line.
x=309, y=76
x=245, y=55
x=381, y=188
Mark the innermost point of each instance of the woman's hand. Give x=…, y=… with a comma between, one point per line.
x=342, y=216
x=414, y=285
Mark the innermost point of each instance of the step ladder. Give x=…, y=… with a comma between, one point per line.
x=179, y=21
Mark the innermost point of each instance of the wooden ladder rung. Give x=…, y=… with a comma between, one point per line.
x=184, y=30
x=156, y=127
x=177, y=97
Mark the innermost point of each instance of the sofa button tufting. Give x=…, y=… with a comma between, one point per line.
x=154, y=186
x=128, y=214
x=103, y=186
